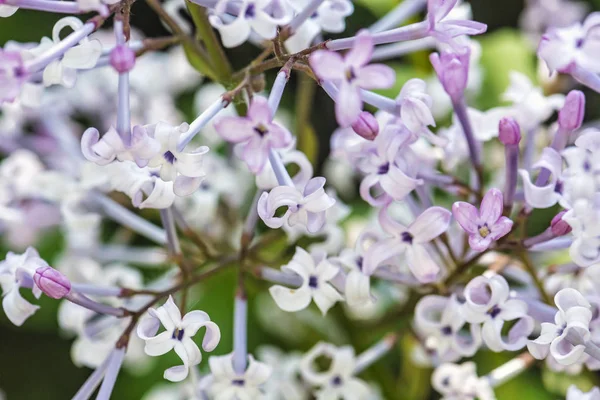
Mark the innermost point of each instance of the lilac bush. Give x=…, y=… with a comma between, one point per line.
x=444, y=263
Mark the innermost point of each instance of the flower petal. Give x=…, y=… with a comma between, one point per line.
x=491, y=206
x=423, y=267
x=291, y=300
x=430, y=224
x=466, y=215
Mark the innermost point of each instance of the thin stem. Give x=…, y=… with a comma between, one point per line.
x=201, y=121
x=511, y=155
x=529, y=267
x=463, y=267
x=283, y=177
x=277, y=91
x=123, y=110
x=166, y=216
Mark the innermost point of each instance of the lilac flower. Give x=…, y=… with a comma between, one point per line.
x=411, y=240
x=227, y=384
x=351, y=73
x=51, y=282
x=415, y=109
x=177, y=335
x=460, y=382
x=445, y=29
x=486, y=224
x=256, y=134
x=574, y=393
x=306, y=207
x=366, y=126
x=487, y=302
x=12, y=75
x=17, y=271
x=452, y=68
x=573, y=317
x=551, y=193
x=316, y=273
x=564, y=49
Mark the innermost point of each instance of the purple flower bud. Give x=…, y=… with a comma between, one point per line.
x=453, y=71
x=366, y=126
x=51, y=282
x=559, y=226
x=122, y=58
x=570, y=116
x=509, y=131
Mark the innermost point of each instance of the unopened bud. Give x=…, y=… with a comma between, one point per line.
x=570, y=116
x=122, y=58
x=366, y=126
x=559, y=226
x=51, y=282
x=509, y=131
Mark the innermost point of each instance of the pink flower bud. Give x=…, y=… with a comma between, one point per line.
x=570, y=116
x=122, y=58
x=453, y=71
x=559, y=226
x=366, y=126
x=509, y=131
x=51, y=282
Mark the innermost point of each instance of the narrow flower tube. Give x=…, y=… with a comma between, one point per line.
x=112, y=372
x=408, y=32
x=559, y=243
x=587, y=78
x=396, y=50
x=398, y=15
x=277, y=91
x=510, y=136
x=92, y=382
x=374, y=99
x=545, y=236
x=279, y=277
x=60, y=7
x=123, y=109
x=58, y=50
x=125, y=217
x=251, y=220
x=460, y=109
x=166, y=216
x=537, y=309
x=201, y=122
x=374, y=353
x=240, y=334
x=509, y=370
x=302, y=16
x=559, y=226
x=144, y=256
x=90, y=304
x=93, y=290
x=283, y=177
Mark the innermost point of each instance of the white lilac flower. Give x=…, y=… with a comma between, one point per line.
x=329, y=17
x=252, y=16
x=539, y=15
x=337, y=382
x=284, y=383
x=357, y=289
x=316, y=273
x=573, y=318
x=177, y=335
x=16, y=271
x=440, y=322
x=552, y=192
x=411, y=240
x=574, y=393
x=306, y=208
x=224, y=383
x=487, y=302
x=83, y=56
x=460, y=382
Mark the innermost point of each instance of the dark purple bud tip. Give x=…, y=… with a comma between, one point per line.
x=122, y=59
x=559, y=226
x=51, y=282
x=570, y=116
x=509, y=131
x=366, y=126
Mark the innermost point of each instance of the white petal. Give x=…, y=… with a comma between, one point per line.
x=17, y=309
x=291, y=300
x=176, y=374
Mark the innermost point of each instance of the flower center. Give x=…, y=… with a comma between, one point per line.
x=350, y=75
x=261, y=129
x=336, y=381
x=170, y=157
x=383, y=169
x=484, y=231
x=559, y=187
x=359, y=262
x=447, y=330
x=313, y=282
x=494, y=311
x=250, y=11
x=177, y=334
x=407, y=237
x=238, y=382
x=579, y=43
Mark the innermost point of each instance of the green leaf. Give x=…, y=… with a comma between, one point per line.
x=378, y=7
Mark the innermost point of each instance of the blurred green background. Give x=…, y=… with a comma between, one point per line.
x=35, y=359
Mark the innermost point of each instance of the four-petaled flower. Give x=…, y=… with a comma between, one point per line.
x=225, y=383
x=306, y=207
x=256, y=134
x=411, y=240
x=316, y=273
x=351, y=73
x=572, y=321
x=177, y=335
x=486, y=224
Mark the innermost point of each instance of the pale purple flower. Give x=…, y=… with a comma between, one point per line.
x=12, y=75
x=573, y=316
x=316, y=273
x=574, y=393
x=415, y=110
x=577, y=45
x=366, y=126
x=411, y=240
x=352, y=73
x=225, y=383
x=306, y=207
x=445, y=29
x=548, y=195
x=487, y=302
x=177, y=335
x=256, y=134
x=486, y=224
x=53, y=283
x=452, y=68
